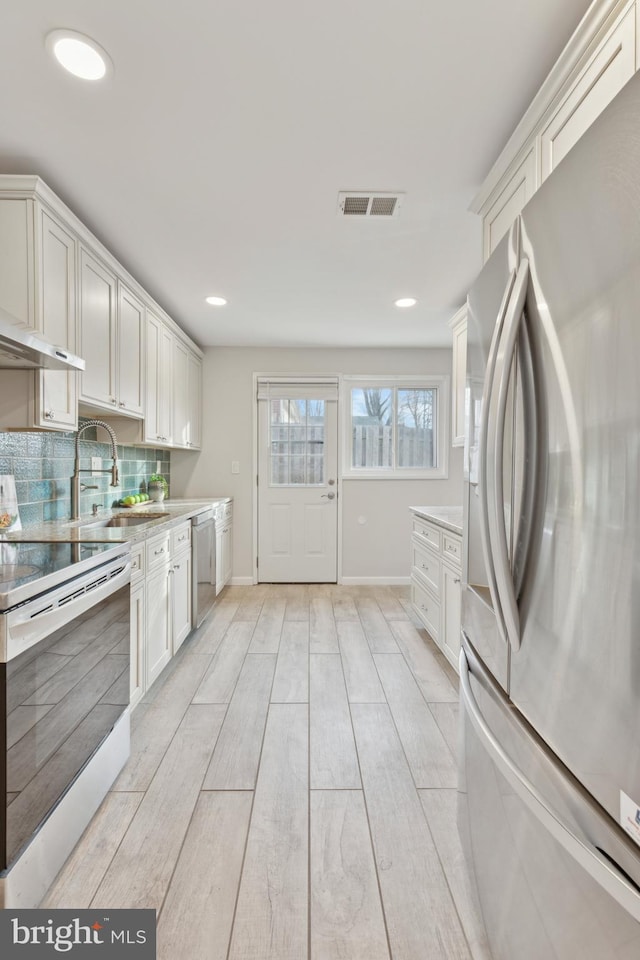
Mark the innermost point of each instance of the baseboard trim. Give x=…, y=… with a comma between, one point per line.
x=241, y=581
x=375, y=581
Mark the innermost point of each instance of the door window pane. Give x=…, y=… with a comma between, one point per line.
x=297, y=432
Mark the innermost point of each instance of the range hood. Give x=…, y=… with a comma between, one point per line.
x=22, y=349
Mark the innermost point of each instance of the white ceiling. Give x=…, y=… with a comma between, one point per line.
x=211, y=161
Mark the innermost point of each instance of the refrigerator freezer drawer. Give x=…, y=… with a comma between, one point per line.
x=538, y=847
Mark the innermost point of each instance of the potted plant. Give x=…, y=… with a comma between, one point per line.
x=157, y=487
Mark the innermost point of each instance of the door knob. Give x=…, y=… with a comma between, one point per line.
x=329, y=496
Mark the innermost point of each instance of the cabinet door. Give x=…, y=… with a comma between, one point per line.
x=219, y=559
x=130, y=341
x=459, y=375
x=451, y=600
x=180, y=394
x=158, y=623
x=56, y=404
x=509, y=203
x=17, y=263
x=97, y=332
x=151, y=413
x=194, y=374
x=610, y=68
x=137, y=636
x=181, y=597
x=227, y=552
x=165, y=381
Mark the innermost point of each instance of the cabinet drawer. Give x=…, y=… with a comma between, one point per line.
x=158, y=551
x=137, y=562
x=180, y=537
x=452, y=548
x=426, y=566
x=427, y=608
x=427, y=533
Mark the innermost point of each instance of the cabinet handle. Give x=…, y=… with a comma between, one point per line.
x=457, y=580
x=49, y=414
x=122, y=403
x=112, y=400
x=176, y=566
x=158, y=552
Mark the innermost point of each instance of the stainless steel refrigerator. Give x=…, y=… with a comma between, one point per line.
x=549, y=801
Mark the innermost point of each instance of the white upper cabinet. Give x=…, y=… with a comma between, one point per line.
x=58, y=279
x=607, y=72
x=111, y=340
x=130, y=365
x=38, y=289
x=508, y=203
x=187, y=397
x=458, y=324
x=602, y=54
x=159, y=406
x=98, y=289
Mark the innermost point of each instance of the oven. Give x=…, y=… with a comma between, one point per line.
x=64, y=675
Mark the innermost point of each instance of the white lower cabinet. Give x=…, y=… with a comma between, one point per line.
x=436, y=557
x=137, y=625
x=180, y=585
x=158, y=606
x=224, y=545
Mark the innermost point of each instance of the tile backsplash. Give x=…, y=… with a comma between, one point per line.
x=42, y=464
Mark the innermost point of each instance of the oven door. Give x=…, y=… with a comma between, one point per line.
x=63, y=687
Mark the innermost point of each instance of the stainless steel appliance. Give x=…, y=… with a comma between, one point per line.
x=64, y=686
x=203, y=576
x=23, y=349
x=549, y=808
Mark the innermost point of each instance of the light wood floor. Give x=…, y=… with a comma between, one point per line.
x=291, y=789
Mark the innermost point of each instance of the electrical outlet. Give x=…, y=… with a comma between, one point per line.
x=96, y=466
x=235, y=466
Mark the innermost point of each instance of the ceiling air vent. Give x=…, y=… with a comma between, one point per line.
x=362, y=203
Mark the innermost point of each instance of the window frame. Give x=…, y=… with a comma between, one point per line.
x=438, y=382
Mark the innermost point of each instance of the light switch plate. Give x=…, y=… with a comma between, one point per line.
x=235, y=466
x=96, y=466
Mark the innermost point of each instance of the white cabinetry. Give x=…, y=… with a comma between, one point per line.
x=180, y=584
x=138, y=625
x=436, y=557
x=508, y=202
x=158, y=606
x=606, y=73
x=187, y=396
x=602, y=54
x=458, y=324
x=38, y=289
x=159, y=406
x=112, y=337
x=224, y=545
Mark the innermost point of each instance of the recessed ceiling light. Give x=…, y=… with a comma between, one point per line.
x=406, y=302
x=216, y=301
x=80, y=55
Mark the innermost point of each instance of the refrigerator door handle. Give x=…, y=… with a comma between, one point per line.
x=495, y=462
x=599, y=867
x=482, y=464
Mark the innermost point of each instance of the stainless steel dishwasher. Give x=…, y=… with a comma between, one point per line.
x=203, y=552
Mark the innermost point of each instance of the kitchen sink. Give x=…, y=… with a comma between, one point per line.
x=125, y=521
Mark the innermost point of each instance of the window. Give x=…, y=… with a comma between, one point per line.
x=296, y=441
x=395, y=428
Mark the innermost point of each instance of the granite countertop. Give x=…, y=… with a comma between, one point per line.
x=88, y=529
x=449, y=517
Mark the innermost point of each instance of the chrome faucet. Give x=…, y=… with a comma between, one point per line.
x=75, y=479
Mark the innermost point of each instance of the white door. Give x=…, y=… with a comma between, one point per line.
x=297, y=482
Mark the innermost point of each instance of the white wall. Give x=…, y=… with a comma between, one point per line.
x=375, y=548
